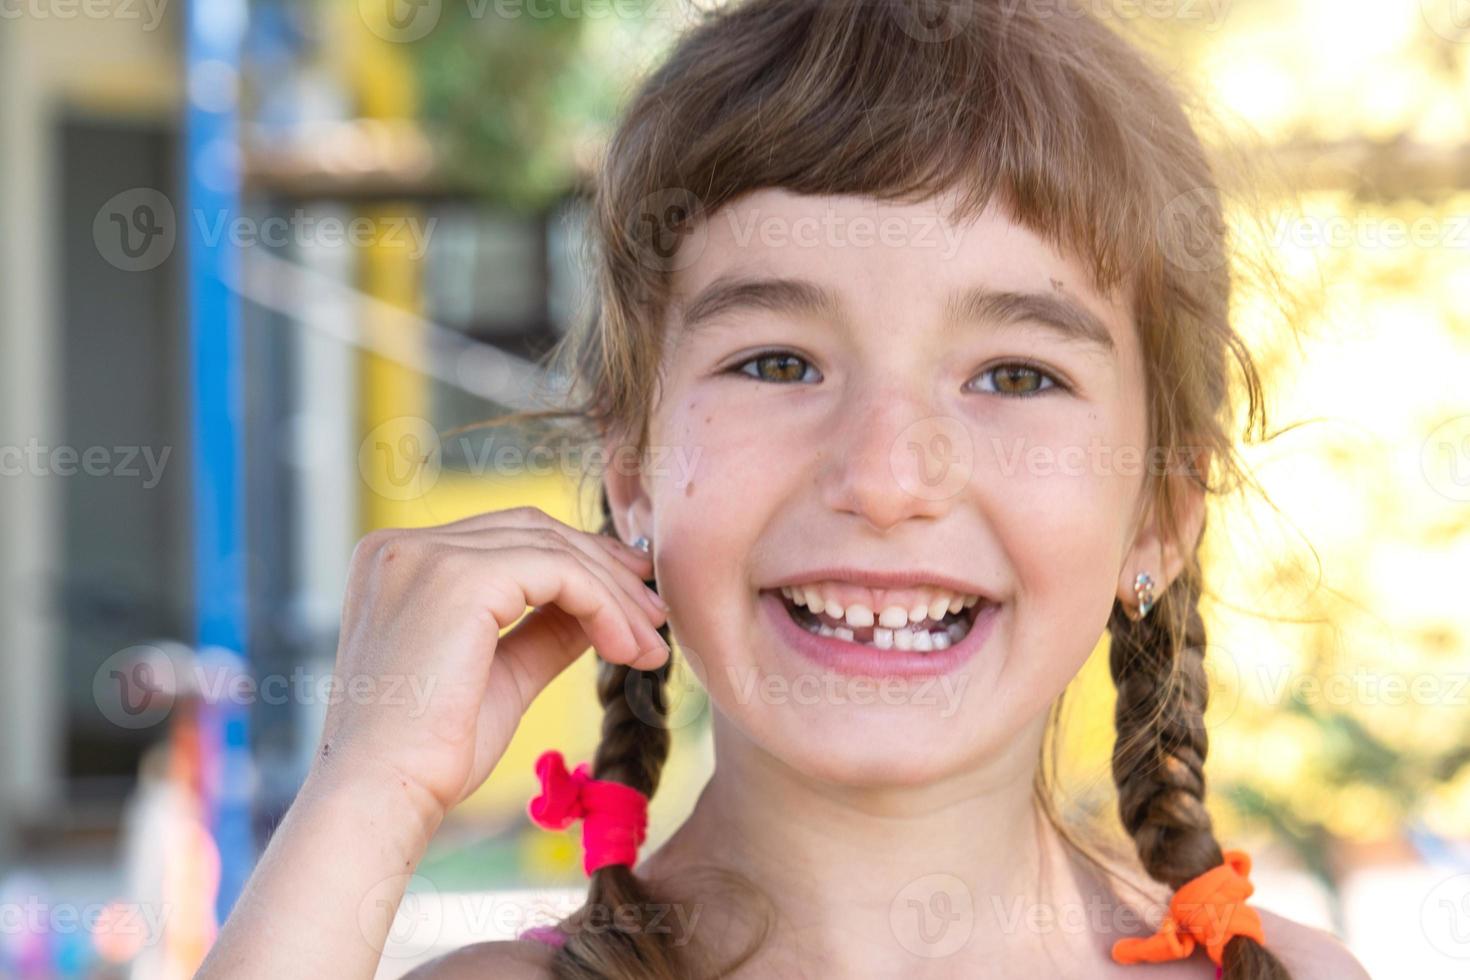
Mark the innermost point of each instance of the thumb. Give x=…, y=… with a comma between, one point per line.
x=526, y=659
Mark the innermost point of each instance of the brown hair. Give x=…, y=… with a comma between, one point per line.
x=1086, y=141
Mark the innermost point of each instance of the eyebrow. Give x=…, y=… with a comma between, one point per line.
x=1068, y=320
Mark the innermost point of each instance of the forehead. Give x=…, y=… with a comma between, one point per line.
x=885, y=258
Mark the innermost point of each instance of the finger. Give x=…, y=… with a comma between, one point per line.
x=536, y=650
x=600, y=548
x=551, y=571
x=628, y=593
x=637, y=559
x=603, y=550
x=631, y=593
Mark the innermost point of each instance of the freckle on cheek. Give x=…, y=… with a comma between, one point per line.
x=689, y=489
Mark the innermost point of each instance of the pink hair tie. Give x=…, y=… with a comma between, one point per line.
x=614, y=815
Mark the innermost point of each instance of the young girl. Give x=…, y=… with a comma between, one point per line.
x=916, y=315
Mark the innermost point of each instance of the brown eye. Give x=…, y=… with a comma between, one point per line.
x=780, y=367
x=1021, y=380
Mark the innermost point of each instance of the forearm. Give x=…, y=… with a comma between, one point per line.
x=321, y=900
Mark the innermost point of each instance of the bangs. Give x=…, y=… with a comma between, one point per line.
x=1048, y=115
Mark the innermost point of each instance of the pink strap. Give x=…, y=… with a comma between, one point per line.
x=614, y=816
x=550, y=935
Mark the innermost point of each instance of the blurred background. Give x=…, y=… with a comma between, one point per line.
x=259, y=259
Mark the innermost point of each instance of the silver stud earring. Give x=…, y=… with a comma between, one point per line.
x=1143, y=588
x=643, y=544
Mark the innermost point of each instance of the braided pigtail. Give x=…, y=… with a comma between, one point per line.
x=1159, y=755
x=625, y=930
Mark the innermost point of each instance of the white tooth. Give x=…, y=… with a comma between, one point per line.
x=956, y=603
x=894, y=617
x=938, y=607
x=919, y=613
x=813, y=600
x=834, y=610
x=970, y=600
x=825, y=630
x=956, y=632
x=941, y=641
x=842, y=633
x=859, y=615
x=882, y=638
x=923, y=641
x=903, y=639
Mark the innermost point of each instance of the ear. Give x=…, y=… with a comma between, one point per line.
x=1152, y=552
x=627, y=496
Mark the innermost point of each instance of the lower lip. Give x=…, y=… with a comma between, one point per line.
x=843, y=657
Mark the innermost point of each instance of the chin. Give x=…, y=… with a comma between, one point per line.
x=873, y=746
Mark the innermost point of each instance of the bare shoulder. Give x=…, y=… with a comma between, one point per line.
x=513, y=959
x=1308, y=952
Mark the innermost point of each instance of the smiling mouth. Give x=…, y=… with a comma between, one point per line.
x=924, y=636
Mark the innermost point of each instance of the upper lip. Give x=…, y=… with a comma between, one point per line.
x=875, y=579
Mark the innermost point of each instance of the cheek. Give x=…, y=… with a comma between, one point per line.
x=1062, y=509
x=710, y=500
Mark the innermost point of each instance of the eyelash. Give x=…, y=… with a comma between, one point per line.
x=1057, y=384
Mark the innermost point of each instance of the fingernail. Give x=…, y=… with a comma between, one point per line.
x=658, y=600
x=653, y=655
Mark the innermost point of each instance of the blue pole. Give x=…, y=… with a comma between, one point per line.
x=214, y=32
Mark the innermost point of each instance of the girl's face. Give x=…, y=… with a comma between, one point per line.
x=859, y=386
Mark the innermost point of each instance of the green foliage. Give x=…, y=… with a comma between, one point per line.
x=507, y=99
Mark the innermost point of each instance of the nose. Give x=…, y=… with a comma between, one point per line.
x=893, y=458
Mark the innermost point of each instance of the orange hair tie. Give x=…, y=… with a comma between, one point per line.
x=1209, y=910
